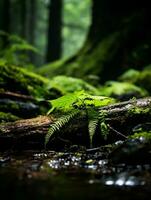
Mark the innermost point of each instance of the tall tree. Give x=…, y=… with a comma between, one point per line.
x=5, y=19
x=119, y=37
x=54, y=31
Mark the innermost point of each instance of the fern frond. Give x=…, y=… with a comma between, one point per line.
x=56, y=126
x=93, y=121
x=103, y=125
x=104, y=129
x=92, y=128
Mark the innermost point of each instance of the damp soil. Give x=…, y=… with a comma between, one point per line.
x=73, y=174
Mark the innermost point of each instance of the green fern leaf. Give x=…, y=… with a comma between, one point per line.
x=56, y=126
x=104, y=129
x=92, y=128
x=93, y=121
x=63, y=103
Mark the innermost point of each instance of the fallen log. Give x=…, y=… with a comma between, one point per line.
x=122, y=117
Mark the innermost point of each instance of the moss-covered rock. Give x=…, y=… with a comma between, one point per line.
x=20, y=80
x=21, y=90
x=142, y=135
x=130, y=75
x=122, y=90
x=67, y=84
x=7, y=117
x=139, y=78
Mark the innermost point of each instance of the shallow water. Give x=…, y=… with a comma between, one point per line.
x=74, y=175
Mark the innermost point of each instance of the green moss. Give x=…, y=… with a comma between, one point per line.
x=52, y=69
x=20, y=80
x=87, y=62
x=68, y=84
x=115, y=89
x=7, y=117
x=29, y=83
x=139, y=78
x=146, y=135
x=136, y=110
x=144, y=80
x=130, y=76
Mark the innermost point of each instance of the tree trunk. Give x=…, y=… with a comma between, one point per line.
x=119, y=37
x=121, y=118
x=5, y=20
x=32, y=27
x=54, y=31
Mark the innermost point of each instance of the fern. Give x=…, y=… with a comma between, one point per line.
x=104, y=129
x=72, y=104
x=56, y=126
x=103, y=125
x=93, y=121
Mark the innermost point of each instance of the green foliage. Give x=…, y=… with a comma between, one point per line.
x=104, y=128
x=130, y=75
x=115, y=89
x=7, y=117
x=78, y=103
x=139, y=78
x=79, y=100
x=145, y=135
x=24, y=82
x=16, y=51
x=67, y=84
x=61, y=122
x=93, y=121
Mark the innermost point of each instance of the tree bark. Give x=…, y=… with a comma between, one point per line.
x=120, y=117
x=5, y=20
x=54, y=31
x=119, y=37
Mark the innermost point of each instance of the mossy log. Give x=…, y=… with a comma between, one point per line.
x=120, y=117
x=20, y=92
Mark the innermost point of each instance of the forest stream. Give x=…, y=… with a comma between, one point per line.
x=76, y=174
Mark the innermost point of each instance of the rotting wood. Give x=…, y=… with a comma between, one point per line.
x=121, y=116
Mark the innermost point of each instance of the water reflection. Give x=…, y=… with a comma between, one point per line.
x=124, y=179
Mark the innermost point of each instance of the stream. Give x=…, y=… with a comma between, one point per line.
x=75, y=174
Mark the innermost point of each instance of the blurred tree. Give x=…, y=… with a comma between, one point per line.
x=76, y=21
x=119, y=38
x=4, y=20
x=54, y=31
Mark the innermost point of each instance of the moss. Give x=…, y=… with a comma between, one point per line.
x=130, y=76
x=87, y=62
x=69, y=84
x=52, y=69
x=7, y=117
x=139, y=78
x=136, y=110
x=144, y=80
x=20, y=80
x=29, y=83
x=122, y=90
x=146, y=135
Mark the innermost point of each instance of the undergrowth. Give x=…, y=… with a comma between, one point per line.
x=72, y=105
